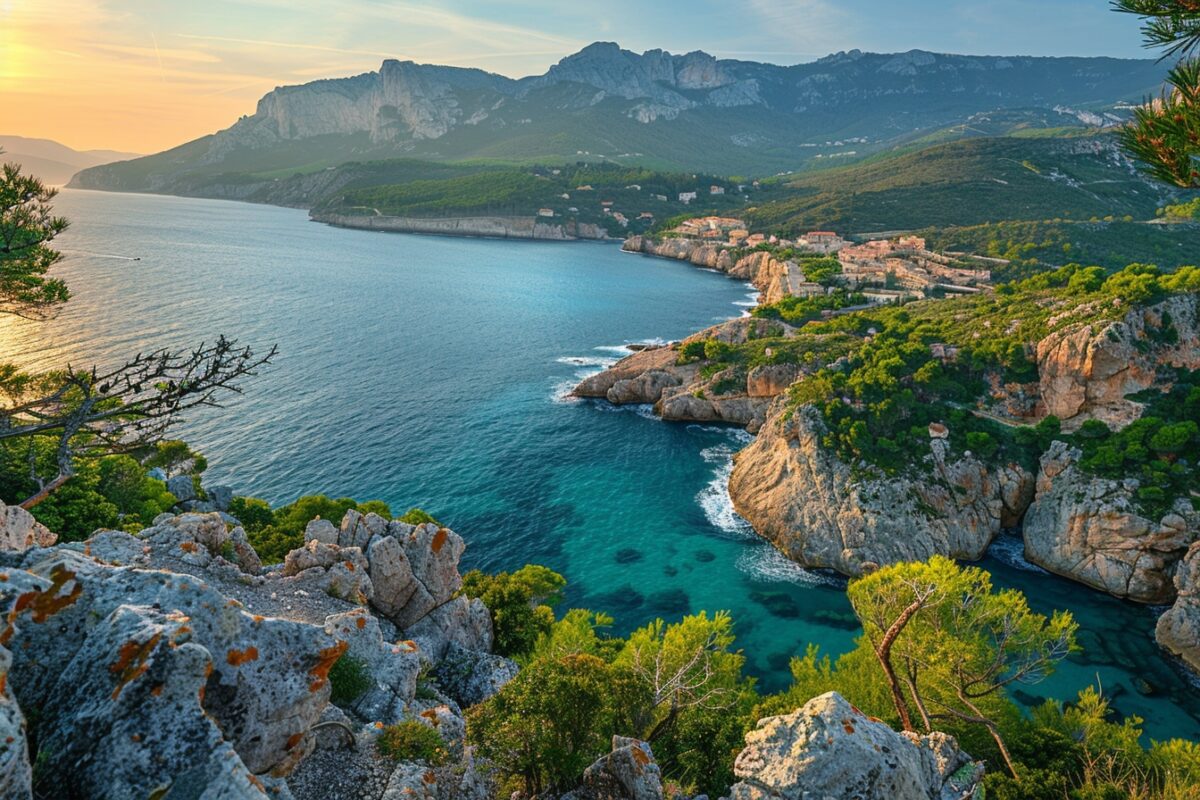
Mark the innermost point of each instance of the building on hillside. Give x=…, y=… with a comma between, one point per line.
x=545, y=212
x=687, y=197
x=738, y=237
x=634, y=187
x=906, y=264
x=606, y=203
x=662, y=198
x=822, y=242
x=715, y=190
x=646, y=215
x=621, y=219
x=755, y=239
x=587, y=187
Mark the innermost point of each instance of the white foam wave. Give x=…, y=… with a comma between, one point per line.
x=588, y=361
x=642, y=410
x=1010, y=550
x=623, y=349
x=561, y=392
x=745, y=303
x=714, y=498
x=765, y=563
x=739, y=436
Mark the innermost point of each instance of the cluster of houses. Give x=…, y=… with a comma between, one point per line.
x=906, y=266
x=884, y=270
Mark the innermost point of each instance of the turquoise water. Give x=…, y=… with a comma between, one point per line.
x=431, y=372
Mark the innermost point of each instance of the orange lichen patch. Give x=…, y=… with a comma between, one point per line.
x=3, y=683
x=430, y=715
x=258, y=618
x=361, y=622
x=238, y=657
x=3, y=577
x=349, y=565
x=429, y=778
x=188, y=547
x=293, y=740
x=257, y=783
x=137, y=737
x=208, y=670
x=847, y=726
x=639, y=755
x=132, y=660
x=439, y=540
x=231, y=603
x=325, y=661
x=43, y=605
x=157, y=690
x=178, y=616
x=379, y=725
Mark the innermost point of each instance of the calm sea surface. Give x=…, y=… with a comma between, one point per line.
x=431, y=372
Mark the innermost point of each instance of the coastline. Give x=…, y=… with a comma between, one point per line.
x=483, y=226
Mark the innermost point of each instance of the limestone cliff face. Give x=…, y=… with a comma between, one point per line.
x=1087, y=372
x=1178, y=630
x=491, y=227
x=810, y=505
x=1088, y=529
x=768, y=274
x=679, y=392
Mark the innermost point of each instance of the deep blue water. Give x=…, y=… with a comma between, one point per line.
x=430, y=372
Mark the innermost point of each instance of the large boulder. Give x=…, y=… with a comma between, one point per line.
x=183, y=487
x=20, y=531
x=1089, y=529
x=1178, y=630
x=820, y=512
x=393, y=667
x=471, y=676
x=268, y=680
x=629, y=772
x=831, y=749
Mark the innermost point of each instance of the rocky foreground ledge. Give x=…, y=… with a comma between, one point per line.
x=171, y=664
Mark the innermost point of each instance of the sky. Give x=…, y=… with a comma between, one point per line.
x=146, y=75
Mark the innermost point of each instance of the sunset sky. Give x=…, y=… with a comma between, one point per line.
x=145, y=75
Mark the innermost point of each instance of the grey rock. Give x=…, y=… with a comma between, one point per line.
x=460, y=621
x=320, y=530
x=182, y=487
x=629, y=772
x=393, y=667
x=220, y=496
x=1178, y=630
x=470, y=677
x=16, y=774
x=19, y=531
x=831, y=749
x=157, y=473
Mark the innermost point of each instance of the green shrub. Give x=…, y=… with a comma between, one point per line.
x=415, y=516
x=520, y=604
x=412, y=741
x=348, y=680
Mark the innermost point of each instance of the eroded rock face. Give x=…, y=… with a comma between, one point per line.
x=1178, y=630
x=470, y=677
x=768, y=274
x=831, y=749
x=1089, y=529
x=808, y=503
x=1089, y=374
x=393, y=667
x=20, y=531
x=16, y=774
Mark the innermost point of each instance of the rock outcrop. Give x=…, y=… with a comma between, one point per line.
x=170, y=662
x=831, y=749
x=1178, y=630
x=20, y=531
x=812, y=507
x=487, y=227
x=681, y=392
x=1089, y=529
x=1088, y=373
x=629, y=772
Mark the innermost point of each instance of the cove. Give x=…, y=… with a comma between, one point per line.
x=432, y=372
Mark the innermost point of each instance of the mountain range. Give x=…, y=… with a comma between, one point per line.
x=52, y=162
x=688, y=112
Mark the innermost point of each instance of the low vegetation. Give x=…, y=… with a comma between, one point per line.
x=411, y=740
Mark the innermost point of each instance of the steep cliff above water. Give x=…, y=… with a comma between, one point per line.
x=489, y=227
x=768, y=274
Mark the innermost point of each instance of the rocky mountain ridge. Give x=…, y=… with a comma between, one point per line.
x=723, y=115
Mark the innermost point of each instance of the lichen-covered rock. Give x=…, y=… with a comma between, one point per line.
x=357, y=529
x=831, y=749
x=391, y=575
x=341, y=572
x=629, y=772
x=124, y=718
x=269, y=675
x=460, y=621
x=20, y=531
x=1090, y=530
x=16, y=774
x=1178, y=630
x=320, y=530
x=813, y=508
x=470, y=676
x=393, y=667
x=1086, y=373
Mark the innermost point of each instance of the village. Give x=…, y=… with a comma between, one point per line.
x=883, y=270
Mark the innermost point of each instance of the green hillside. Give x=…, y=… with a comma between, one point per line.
x=965, y=183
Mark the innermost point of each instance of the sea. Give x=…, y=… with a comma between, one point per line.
x=435, y=372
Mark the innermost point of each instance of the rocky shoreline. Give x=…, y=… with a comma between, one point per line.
x=824, y=513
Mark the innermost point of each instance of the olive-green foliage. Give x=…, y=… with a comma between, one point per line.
x=411, y=740
x=1188, y=211
x=800, y=310
x=110, y=492
x=274, y=534
x=520, y=603
x=414, y=516
x=552, y=720
x=175, y=457
x=348, y=680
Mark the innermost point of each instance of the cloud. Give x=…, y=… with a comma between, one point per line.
x=810, y=25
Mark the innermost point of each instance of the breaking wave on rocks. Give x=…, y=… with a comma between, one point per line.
x=765, y=563
x=714, y=498
x=602, y=362
x=1010, y=549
